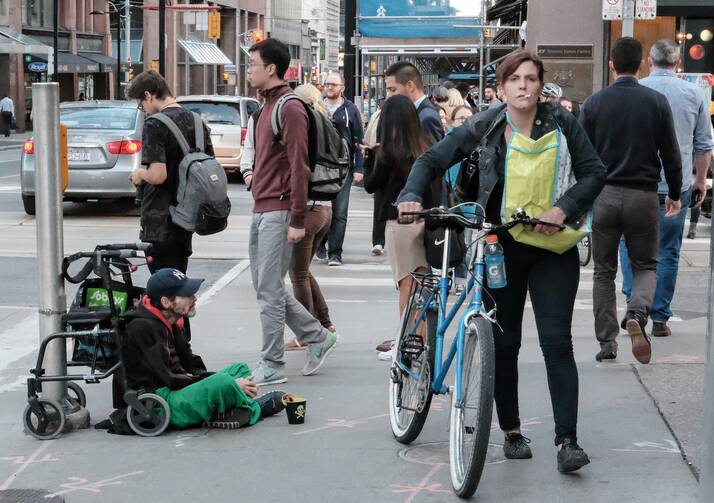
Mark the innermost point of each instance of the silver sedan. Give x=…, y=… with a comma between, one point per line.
x=104, y=140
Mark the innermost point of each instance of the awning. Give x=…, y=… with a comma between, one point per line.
x=72, y=63
x=204, y=53
x=14, y=42
x=106, y=63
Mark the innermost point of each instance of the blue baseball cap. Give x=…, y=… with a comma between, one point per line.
x=171, y=283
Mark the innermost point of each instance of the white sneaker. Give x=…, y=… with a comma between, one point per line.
x=377, y=250
x=386, y=355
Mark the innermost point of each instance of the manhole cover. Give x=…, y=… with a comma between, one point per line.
x=434, y=453
x=28, y=496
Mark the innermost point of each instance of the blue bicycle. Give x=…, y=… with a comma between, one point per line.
x=418, y=371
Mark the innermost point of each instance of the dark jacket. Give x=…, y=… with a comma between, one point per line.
x=348, y=122
x=384, y=182
x=281, y=169
x=156, y=354
x=632, y=129
x=430, y=120
x=485, y=130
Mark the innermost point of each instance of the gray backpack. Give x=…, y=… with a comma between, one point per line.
x=202, y=195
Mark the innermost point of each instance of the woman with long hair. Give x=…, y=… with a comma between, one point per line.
x=401, y=141
x=537, y=157
x=317, y=223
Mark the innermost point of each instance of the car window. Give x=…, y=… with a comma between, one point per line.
x=98, y=118
x=215, y=113
x=251, y=107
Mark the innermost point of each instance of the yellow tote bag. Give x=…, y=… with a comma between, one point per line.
x=530, y=182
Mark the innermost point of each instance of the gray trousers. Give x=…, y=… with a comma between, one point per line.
x=633, y=213
x=270, y=255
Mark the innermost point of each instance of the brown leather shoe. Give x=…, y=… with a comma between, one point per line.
x=660, y=329
x=635, y=324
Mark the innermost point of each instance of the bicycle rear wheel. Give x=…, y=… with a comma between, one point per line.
x=410, y=387
x=585, y=250
x=470, y=425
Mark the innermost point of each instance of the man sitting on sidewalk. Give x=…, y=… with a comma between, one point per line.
x=158, y=358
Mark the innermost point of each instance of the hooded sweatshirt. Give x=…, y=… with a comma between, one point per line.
x=282, y=169
x=158, y=354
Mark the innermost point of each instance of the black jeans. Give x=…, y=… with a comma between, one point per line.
x=336, y=236
x=162, y=260
x=552, y=281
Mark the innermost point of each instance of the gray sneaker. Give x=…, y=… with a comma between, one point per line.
x=265, y=375
x=317, y=352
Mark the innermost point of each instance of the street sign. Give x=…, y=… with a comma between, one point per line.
x=646, y=9
x=613, y=9
x=565, y=51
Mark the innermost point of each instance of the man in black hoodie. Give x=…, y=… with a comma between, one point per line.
x=157, y=358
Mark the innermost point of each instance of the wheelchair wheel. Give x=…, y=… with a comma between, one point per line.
x=46, y=425
x=76, y=394
x=153, y=420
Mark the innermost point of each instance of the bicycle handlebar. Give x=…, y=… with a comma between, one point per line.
x=117, y=251
x=139, y=246
x=447, y=216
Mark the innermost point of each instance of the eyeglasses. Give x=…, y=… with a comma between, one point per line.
x=330, y=84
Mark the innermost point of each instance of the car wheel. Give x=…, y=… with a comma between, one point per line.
x=29, y=203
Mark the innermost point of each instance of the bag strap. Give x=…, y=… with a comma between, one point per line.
x=169, y=123
x=198, y=126
x=276, y=118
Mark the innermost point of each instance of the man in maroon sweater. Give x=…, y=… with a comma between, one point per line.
x=279, y=185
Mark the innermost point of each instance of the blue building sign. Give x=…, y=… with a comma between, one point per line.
x=380, y=25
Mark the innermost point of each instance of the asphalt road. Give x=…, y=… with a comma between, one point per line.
x=345, y=450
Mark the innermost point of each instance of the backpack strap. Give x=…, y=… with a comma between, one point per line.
x=198, y=126
x=180, y=138
x=276, y=118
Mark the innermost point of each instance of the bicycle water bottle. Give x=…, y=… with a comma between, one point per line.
x=495, y=262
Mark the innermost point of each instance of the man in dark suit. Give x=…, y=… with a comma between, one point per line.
x=404, y=78
x=631, y=128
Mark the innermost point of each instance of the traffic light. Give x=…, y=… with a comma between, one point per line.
x=214, y=25
x=258, y=36
x=154, y=65
x=226, y=76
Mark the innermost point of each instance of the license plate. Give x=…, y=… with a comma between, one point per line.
x=77, y=155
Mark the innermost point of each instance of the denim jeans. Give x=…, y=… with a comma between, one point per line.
x=336, y=237
x=552, y=281
x=670, y=244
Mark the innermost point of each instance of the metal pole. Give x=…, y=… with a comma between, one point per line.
x=127, y=30
x=706, y=478
x=55, y=41
x=117, y=92
x=162, y=37
x=482, y=73
x=628, y=19
x=350, y=52
x=45, y=97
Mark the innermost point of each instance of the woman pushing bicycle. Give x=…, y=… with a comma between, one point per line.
x=536, y=157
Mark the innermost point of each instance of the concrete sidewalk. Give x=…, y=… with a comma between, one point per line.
x=345, y=451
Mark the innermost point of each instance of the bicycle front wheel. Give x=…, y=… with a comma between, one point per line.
x=411, y=373
x=470, y=426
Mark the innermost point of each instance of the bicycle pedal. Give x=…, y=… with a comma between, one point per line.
x=394, y=374
x=413, y=346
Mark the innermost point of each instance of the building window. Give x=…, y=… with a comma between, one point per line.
x=3, y=7
x=37, y=13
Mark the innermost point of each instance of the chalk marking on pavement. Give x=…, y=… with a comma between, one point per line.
x=342, y=423
x=223, y=282
x=80, y=484
x=19, y=460
x=423, y=486
x=669, y=447
x=25, y=464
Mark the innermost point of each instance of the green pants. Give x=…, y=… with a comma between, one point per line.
x=200, y=401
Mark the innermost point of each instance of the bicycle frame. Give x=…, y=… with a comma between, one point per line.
x=474, y=286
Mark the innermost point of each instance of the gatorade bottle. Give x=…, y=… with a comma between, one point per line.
x=495, y=263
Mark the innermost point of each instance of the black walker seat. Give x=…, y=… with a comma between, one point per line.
x=96, y=324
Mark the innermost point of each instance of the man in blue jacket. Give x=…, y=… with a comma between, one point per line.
x=348, y=121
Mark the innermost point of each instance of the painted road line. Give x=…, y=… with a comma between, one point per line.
x=223, y=282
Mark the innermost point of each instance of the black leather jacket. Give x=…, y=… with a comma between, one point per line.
x=485, y=130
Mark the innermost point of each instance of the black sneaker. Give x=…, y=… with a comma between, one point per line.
x=606, y=355
x=271, y=403
x=635, y=323
x=232, y=419
x=571, y=456
x=515, y=446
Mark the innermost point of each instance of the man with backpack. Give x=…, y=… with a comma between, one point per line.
x=158, y=178
x=348, y=122
x=279, y=184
